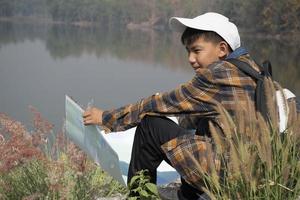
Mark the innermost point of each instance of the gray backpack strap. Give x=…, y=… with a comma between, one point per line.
x=246, y=68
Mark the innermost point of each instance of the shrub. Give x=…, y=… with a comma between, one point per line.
x=32, y=166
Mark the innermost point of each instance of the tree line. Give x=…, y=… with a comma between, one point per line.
x=258, y=15
x=265, y=15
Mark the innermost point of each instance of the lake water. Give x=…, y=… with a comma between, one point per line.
x=40, y=64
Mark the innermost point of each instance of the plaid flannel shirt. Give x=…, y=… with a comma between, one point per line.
x=221, y=83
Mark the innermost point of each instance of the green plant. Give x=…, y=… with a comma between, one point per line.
x=25, y=180
x=141, y=188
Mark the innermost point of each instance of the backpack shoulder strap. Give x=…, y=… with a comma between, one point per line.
x=246, y=68
x=267, y=68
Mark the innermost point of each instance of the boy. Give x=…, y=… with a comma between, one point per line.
x=210, y=39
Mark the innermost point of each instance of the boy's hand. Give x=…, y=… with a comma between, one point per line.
x=92, y=116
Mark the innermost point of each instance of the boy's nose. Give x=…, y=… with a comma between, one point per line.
x=192, y=58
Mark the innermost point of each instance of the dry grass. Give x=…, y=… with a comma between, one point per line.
x=258, y=162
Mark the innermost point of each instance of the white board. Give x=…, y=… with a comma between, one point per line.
x=91, y=141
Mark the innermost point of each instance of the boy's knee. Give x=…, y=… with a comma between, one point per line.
x=151, y=120
x=152, y=124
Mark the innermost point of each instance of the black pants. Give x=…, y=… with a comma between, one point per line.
x=150, y=134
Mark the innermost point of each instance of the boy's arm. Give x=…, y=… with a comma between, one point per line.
x=194, y=98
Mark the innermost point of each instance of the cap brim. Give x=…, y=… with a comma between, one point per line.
x=178, y=24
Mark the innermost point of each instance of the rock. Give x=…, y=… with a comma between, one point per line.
x=115, y=197
x=169, y=191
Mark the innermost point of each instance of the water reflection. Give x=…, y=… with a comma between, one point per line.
x=151, y=47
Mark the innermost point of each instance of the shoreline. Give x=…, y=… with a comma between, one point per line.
x=45, y=21
x=285, y=36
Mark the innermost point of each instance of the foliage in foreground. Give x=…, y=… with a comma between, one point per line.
x=34, y=167
x=141, y=188
x=258, y=162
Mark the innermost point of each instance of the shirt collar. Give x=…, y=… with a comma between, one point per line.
x=237, y=53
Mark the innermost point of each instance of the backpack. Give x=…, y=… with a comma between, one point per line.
x=278, y=106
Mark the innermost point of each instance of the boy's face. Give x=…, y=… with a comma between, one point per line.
x=202, y=53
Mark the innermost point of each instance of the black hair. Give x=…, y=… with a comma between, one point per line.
x=190, y=35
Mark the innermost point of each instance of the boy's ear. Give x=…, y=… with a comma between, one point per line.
x=223, y=50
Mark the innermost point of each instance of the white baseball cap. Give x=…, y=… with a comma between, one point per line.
x=209, y=22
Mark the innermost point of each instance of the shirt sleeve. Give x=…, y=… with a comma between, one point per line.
x=194, y=98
